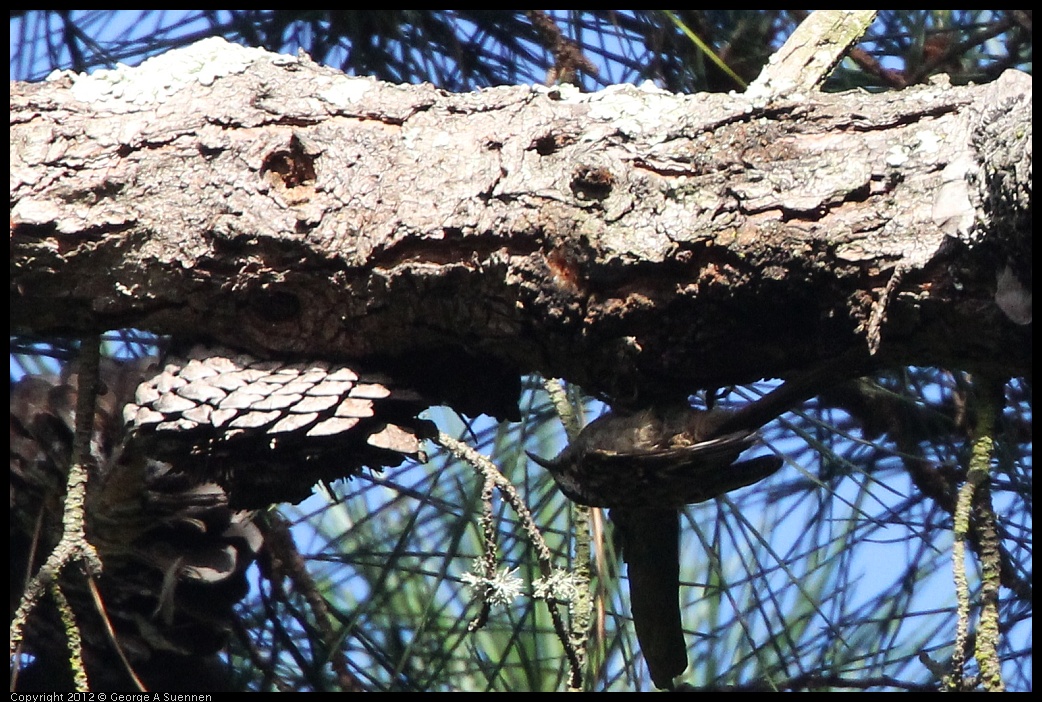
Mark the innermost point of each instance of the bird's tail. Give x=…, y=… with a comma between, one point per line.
x=650, y=540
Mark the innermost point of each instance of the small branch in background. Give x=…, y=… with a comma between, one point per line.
x=86, y=397
x=559, y=399
x=110, y=633
x=491, y=475
x=810, y=53
x=488, y=578
x=489, y=471
x=72, y=631
x=866, y=61
x=975, y=497
x=581, y=519
x=568, y=57
x=73, y=544
x=286, y=558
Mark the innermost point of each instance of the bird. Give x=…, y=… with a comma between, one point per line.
x=645, y=465
x=658, y=458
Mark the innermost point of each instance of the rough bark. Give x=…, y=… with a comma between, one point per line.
x=636, y=242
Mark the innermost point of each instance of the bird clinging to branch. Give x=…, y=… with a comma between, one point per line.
x=647, y=465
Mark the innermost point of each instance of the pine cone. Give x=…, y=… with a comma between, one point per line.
x=269, y=430
x=178, y=453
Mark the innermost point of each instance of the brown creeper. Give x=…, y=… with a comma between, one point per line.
x=647, y=465
x=658, y=458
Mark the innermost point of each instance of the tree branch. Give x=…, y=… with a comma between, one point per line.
x=633, y=241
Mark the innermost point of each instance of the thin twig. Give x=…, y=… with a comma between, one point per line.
x=490, y=473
